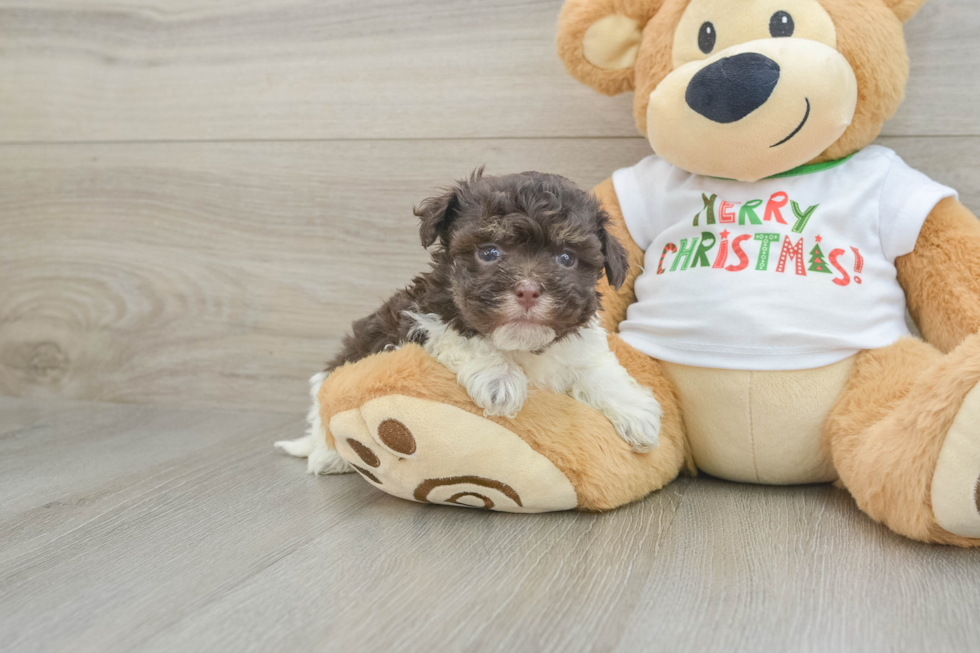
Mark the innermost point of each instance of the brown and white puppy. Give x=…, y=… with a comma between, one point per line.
x=510, y=300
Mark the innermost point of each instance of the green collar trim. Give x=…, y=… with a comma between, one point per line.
x=807, y=169
x=812, y=167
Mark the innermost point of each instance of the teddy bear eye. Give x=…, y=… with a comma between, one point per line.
x=781, y=25
x=707, y=38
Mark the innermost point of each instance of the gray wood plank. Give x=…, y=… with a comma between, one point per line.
x=203, y=274
x=800, y=569
x=92, y=70
x=157, y=512
x=46, y=494
x=215, y=542
x=422, y=579
x=739, y=568
x=19, y=414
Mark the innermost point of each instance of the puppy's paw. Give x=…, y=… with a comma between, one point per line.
x=324, y=460
x=638, y=424
x=498, y=391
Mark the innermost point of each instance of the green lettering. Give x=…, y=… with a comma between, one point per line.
x=766, y=239
x=685, y=253
x=802, y=217
x=709, y=204
x=749, y=211
x=707, y=242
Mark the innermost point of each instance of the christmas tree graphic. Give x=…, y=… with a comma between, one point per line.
x=817, y=261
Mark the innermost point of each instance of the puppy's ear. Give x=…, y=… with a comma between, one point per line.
x=435, y=215
x=617, y=262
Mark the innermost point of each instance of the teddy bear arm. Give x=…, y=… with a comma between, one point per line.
x=941, y=277
x=615, y=302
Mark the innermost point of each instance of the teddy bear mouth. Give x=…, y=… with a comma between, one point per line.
x=797, y=130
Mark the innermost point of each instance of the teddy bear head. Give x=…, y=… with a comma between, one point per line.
x=745, y=89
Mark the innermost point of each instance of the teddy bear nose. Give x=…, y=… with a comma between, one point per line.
x=733, y=87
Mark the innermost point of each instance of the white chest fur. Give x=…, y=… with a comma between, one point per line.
x=582, y=366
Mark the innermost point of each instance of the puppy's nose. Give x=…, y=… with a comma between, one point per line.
x=733, y=87
x=528, y=293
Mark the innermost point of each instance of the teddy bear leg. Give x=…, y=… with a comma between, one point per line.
x=403, y=422
x=905, y=439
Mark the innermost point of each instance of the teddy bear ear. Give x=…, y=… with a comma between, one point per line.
x=598, y=40
x=905, y=9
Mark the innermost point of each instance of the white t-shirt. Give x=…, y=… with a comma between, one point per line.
x=787, y=273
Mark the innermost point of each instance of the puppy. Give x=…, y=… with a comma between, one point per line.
x=510, y=300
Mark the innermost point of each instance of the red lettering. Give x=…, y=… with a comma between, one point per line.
x=846, y=279
x=743, y=259
x=722, y=251
x=794, y=252
x=726, y=213
x=776, y=202
x=669, y=248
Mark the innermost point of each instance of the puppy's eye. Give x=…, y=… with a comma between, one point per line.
x=707, y=38
x=565, y=259
x=488, y=254
x=781, y=25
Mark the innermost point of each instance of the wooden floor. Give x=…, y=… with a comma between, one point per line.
x=196, y=198
x=129, y=528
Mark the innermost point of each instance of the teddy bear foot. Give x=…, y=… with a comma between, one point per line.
x=431, y=452
x=956, y=480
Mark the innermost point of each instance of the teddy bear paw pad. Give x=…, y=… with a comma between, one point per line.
x=431, y=452
x=956, y=480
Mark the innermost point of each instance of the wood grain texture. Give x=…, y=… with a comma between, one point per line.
x=149, y=529
x=219, y=274
x=122, y=70
x=224, y=274
x=800, y=568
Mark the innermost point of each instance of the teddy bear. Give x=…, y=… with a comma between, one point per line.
x=773, y=253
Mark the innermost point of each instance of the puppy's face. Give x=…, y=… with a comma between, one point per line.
x=522, y=255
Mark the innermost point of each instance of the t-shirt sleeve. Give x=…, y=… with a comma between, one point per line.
x=907, y=199
x=635, y=189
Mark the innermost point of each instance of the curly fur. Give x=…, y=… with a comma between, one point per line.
x=531, y=217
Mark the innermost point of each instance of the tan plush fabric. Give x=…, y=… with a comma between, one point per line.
x=942, y=276
x=759, y=427
x=577, y=17
x=811, y=23
x=616, y=302
x=871, y=39
x=745, y=150
x=886, y=430
x=955, y=490
x=611, y=42
x=905, y=9
x=575, y=438
x=456, y=457
x=868, y=34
